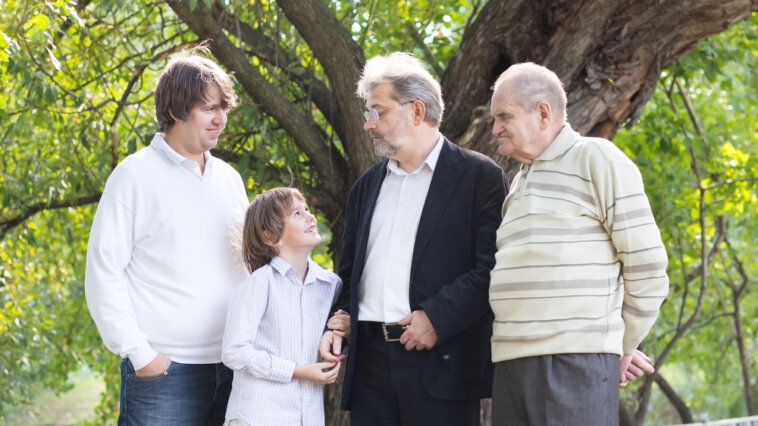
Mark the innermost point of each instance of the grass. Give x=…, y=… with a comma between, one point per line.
x=66, y=409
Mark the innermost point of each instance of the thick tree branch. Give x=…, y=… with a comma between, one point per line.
x=30, y=210
x=676, y=401
x=267, y=50
x=342, y=60
x=428, y=55
x=622, y=46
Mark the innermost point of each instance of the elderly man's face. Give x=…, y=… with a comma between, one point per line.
x=389, y=128
x=517, y=130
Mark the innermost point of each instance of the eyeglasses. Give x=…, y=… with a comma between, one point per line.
x=377, y=115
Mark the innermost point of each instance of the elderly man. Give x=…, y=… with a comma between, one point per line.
x=580, y=270
x=419, y=244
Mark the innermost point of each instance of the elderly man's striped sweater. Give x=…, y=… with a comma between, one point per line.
x=580, y=266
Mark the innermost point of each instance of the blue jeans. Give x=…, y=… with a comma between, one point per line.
x=186, y=394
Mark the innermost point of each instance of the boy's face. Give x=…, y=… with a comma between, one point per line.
x=300, y=230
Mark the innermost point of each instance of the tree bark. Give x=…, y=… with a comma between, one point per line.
x=342, y=60
x=267, y=50
x=608, y=53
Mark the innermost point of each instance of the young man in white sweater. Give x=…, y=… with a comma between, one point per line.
x=160, y=266
x=580, y=270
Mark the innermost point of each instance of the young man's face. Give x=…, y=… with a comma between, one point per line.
x=300, y=229
x=202, y=128
x=391, y=129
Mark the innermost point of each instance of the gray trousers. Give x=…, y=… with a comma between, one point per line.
x=563, y=389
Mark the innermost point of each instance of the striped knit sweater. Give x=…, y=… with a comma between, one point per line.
x=580, y=266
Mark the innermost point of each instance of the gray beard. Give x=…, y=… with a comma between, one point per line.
x=385, y=150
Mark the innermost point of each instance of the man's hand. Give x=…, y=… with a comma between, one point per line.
x=157, y=366
x=322, y=373
x=632, y=366
x=330, y=347
x=419, y=333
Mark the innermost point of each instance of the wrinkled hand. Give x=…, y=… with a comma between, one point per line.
x=330, y=347
x=419, y=333
x=321, y=373
x=339, y=323
x=632, y=366
x=157, y=366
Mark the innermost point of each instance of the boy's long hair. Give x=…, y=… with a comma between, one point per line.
x=264, y=225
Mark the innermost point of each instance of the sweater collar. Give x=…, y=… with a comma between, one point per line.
x=160, y=145
x=562, y=143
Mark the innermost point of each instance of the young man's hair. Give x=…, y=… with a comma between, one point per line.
x=184, y=83
x=410, y=82
x=264, y=225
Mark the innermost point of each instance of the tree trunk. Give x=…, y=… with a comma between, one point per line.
x=608, y=53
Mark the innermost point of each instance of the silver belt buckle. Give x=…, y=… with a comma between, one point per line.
x=387, y=337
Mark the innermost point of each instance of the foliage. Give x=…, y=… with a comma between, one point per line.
x=711, y=148
x=76, y=83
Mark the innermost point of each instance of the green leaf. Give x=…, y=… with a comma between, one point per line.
x=37, y=25
x=243, y=164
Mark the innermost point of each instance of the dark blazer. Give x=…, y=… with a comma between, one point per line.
x=450, y=271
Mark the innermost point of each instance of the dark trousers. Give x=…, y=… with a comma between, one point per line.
x=388, y=388
x=186, y=394
x=563, y=389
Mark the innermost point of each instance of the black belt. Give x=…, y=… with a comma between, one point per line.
x=390, y=331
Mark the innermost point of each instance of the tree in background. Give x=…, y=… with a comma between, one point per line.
x=75, y=99
x=696, y=145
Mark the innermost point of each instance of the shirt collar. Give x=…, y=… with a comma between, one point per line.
x=315, y=272
x=562, y=143
x=159, y=144
x=430, y=161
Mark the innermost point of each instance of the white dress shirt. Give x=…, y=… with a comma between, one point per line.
x=160, y=261
x=274, y=323
x=385, y=281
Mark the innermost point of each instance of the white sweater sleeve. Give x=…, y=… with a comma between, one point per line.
x=108, y=254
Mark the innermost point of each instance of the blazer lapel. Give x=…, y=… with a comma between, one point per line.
x=446, y=177
x=373, y=185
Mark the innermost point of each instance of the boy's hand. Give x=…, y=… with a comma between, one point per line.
x=330, y=347
x=339, y=323
x=321, y=373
